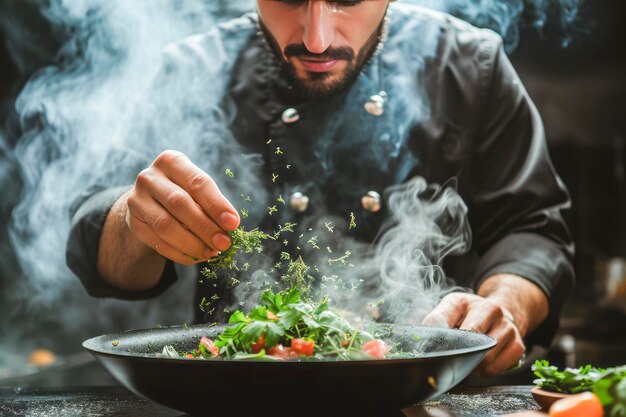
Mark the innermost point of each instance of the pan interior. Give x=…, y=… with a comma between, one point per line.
x=413, y=341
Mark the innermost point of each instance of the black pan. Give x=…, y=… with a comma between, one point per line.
x=259, y=388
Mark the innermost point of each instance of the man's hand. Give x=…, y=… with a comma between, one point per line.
x=174, y=210
x=506, y=308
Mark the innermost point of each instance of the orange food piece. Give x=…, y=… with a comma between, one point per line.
x=41, y=357
x=585, y=404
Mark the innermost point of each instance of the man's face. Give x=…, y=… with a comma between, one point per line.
x=322, y=44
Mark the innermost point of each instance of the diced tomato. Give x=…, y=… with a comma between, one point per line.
x=282, y=352
x=303, y=347
x=345, y=343
x=271, y=315
x=376, y=348
x=189, y=356
x=207, y=346
x=260, y=344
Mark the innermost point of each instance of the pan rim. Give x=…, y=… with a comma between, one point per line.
x=90, y=346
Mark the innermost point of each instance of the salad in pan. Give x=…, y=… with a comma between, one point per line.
x=285, y=327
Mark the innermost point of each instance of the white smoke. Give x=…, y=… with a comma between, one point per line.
x=72, y=110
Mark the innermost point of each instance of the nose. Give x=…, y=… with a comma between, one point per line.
x=319, y=30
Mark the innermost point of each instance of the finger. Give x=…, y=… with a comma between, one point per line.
x=504, y=334
x=482, y=317
x=165, y=227
x=149, y=238
x=506, y=359
x=180, y=204
x=179, y=168
x=449, y=312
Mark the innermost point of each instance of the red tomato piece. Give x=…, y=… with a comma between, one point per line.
x=303, y=347
x=282, y=352
x=207, y=345
x=271, y=315
x=376, y=348
x=260, y=344
x=189, y=356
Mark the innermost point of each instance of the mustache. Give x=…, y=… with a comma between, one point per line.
x=299, y=50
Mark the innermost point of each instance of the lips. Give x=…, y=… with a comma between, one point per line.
x=318, y=66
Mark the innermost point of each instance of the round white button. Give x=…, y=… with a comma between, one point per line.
x=290, y=116
x=299, y=202
x=371, y=201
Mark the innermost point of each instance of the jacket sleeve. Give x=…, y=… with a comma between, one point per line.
x=517, y=198
x=88, y=215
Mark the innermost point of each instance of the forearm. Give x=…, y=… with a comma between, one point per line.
x=123, y=261
x=524, y=299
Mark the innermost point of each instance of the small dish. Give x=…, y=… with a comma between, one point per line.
x=546, y=398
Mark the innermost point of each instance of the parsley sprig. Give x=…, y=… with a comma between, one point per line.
x=609, y=384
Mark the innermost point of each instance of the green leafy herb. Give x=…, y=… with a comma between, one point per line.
x=609, y=384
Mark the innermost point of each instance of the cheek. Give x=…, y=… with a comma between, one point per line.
x=282, y=25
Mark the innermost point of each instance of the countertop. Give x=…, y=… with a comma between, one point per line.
x=118, y=401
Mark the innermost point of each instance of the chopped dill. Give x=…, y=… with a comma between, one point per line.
x=352, y=221
x=242, y=240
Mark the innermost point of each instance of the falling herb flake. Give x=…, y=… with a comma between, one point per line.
x=245, y=197
x=329, y=249
x=343, y=260
x=297, y=276
x=274, y=177
x=288, y=166
x=244, y=213
x=115, y=343
x=278, y=151
x=352, y=221
x=230, y=173
x=313, y=242
x=272, y=210
x=280, y=199
x=287, y=227
x=329, y=226
x=269, y=141
x=185, y=326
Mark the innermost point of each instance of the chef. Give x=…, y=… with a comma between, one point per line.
x=328, y=104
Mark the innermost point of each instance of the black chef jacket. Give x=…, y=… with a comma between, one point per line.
x=454, y=110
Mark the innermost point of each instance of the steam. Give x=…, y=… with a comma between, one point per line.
x=77, y=128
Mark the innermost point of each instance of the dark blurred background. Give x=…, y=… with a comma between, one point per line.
x=580, y=91
x=578, y=82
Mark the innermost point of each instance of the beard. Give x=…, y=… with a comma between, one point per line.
x=323, y=84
